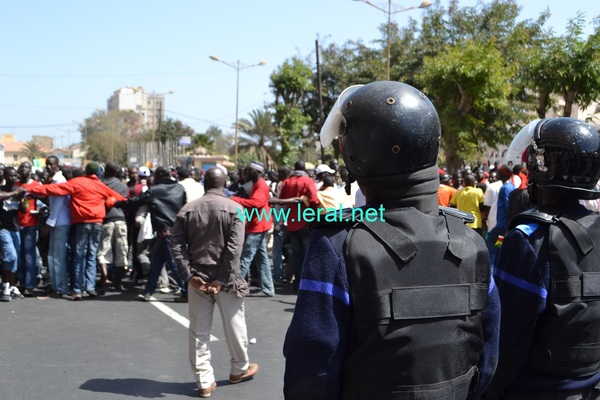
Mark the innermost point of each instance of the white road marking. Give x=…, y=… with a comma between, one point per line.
x=174, y=315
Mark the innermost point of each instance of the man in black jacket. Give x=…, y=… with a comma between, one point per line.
x=113, y=243
x=164, y=200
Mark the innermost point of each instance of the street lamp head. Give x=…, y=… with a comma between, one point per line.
x=214, y=58
x=425, y=4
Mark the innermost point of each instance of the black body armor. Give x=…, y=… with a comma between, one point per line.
x=566, y=340
x=418, y=286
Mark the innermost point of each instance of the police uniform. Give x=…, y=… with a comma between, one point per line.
x=548, y=272
x=401, y=307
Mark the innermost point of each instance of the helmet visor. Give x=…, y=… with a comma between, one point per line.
x=521, y=141
x=331, y=127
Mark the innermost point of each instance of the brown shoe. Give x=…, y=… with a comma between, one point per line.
x=246, y=376
x=180, y=300
x=204, y=393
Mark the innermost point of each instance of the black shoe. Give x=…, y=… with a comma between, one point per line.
x=92, y=293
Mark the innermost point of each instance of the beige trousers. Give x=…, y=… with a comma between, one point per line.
x=231, y=308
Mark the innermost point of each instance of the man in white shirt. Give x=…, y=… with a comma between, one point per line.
x=193, y=189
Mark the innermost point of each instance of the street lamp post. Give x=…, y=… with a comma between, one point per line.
x=389, y=13
x=238, y=67
x=68, y=131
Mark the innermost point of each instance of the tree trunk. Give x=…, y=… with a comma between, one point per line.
x=451, y=145
x=543, y=99
x=569, y=97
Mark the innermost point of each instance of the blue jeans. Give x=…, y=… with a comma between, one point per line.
x=490, y=241
x=160, y=253
x=255, y=246
x=58, y=258
x=86, y=240
x=28, y=266
x=10, y=242
x=299, y=242
x=278, y=239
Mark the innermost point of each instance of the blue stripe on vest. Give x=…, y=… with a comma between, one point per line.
x=529, y=228
x=326, y=288
x=520, y=283
x=492, y=285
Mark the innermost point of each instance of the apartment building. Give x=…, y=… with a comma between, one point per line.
x=149, y=105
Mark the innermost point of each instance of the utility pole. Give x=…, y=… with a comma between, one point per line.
x=320, y=95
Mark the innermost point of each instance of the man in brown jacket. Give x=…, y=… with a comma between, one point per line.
x=207, y=240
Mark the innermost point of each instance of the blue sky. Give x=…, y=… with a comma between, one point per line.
x=61, y=60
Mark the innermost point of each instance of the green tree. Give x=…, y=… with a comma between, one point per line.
x=576, y=62
x=470, y=62
x=257, y=135
x=33, y=150
x=290, y=83
x=203, y=140
x=222, y=144
x=106, y=135
x=470, y=87
x=170, y=129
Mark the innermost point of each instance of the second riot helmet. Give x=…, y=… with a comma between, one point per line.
x=563, y=156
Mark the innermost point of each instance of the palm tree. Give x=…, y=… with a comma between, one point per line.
x=257, y=135
x=33, y=150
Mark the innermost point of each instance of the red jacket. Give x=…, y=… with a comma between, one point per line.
x=88, y=195
x=257, y=204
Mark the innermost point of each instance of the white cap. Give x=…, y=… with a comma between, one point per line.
x=143, y=172
x=323, y=168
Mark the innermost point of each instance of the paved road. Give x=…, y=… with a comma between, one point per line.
x=115, y=347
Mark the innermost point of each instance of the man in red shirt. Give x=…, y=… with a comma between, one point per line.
x=28, y=222
x=257, y=214
x=88, y=208
x=298, y=188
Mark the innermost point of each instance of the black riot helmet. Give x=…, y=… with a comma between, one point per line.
x=384, y=128
x=563, y=156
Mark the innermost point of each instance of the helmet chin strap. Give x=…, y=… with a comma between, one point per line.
x=349, y=181
x=533, y=193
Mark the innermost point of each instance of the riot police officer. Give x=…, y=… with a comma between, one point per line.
x=548, y=271
x=400, y=305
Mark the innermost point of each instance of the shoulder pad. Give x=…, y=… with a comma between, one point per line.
x=453, y=212
x=528, y=228
x=532, y=215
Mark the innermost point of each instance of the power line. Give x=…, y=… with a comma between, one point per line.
x=100, y=75
x=33, y=126
x=48, y=107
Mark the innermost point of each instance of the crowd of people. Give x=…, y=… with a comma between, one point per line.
x=412, y=282
x=72, y=233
